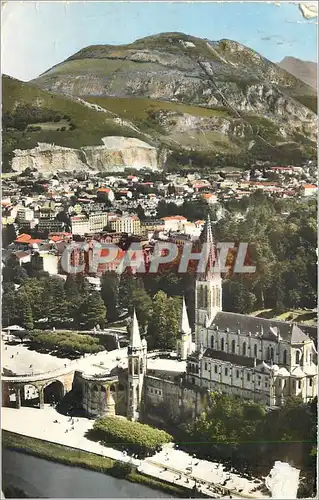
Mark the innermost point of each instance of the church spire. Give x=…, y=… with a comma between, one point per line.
x=210, y=246
x=210, y=253
x=185, y=328
x=208, y=284
x=135, y=339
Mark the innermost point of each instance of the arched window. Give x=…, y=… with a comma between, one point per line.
x=284, y=358
x=222, y=344
x=272, y=353
x=297, y=357
x=212, y=342
x=233, y=346
x=255, y=350
x=244, y=349
x=268, y=353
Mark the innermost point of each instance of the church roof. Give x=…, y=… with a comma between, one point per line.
x=310, y=370
x=297, y=372
x=235, y=359
x=297, y=335
x=263, y=328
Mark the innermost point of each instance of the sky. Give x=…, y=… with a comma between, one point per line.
x=37, y=35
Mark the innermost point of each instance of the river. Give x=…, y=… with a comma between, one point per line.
x=40, y=478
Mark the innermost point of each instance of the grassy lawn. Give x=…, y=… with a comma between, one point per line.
x=297, y=315
x=72, y=457
x=140, y=107
x=53, y=125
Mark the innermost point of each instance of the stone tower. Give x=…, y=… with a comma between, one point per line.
x=208, y=287
x=137, y=357
x=184, y=343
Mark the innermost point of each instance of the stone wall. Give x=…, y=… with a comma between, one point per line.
x=172, y=401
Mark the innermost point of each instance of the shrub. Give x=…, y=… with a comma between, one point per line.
x=121, y=469
x=133, y=437
x=68, y=342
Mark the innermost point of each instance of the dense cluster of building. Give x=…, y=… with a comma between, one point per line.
x=48, y=214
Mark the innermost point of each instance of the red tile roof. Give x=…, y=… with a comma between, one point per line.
x=23, y=238
x=174, y=217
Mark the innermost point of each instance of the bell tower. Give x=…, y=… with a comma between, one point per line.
x=208, y=286
x=137, y=357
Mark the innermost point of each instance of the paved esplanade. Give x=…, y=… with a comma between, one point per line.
x=172, y=465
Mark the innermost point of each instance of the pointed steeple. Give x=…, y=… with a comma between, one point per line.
x=210, y=252
x=185, y=328
x=135, y=339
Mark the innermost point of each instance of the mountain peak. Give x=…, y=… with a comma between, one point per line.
x=306, y=71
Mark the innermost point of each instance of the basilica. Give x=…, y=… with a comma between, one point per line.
x=245, y=356
x=249, y=357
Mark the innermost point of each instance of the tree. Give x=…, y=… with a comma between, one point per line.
x=54, y=304
x=142, y=303
x=9, y=306
x=25, y=310
x=8, y=235
x=128, y=283
x=110, y=294
x=13, y=272
x=76, y=290
x=93, y=311
x=140, y=212
x=163, y=327
x=237, y=297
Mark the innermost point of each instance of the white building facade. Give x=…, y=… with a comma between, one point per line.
x=254, y=358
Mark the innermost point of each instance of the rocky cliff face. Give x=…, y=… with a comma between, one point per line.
x=48, y=158
x=120, y=152
x=116, y=154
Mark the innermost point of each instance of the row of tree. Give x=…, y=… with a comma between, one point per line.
x=25, y=115
x=51, y=301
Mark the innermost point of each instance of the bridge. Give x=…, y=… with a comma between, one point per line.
x=49, y=386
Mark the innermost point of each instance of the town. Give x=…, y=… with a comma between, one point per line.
x=159, y=250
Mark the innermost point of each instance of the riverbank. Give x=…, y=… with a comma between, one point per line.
x=170, y=466
x=73, y=457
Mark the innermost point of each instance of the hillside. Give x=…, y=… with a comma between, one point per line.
x=27, y=108
x=178, y=93
x=306, y=71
